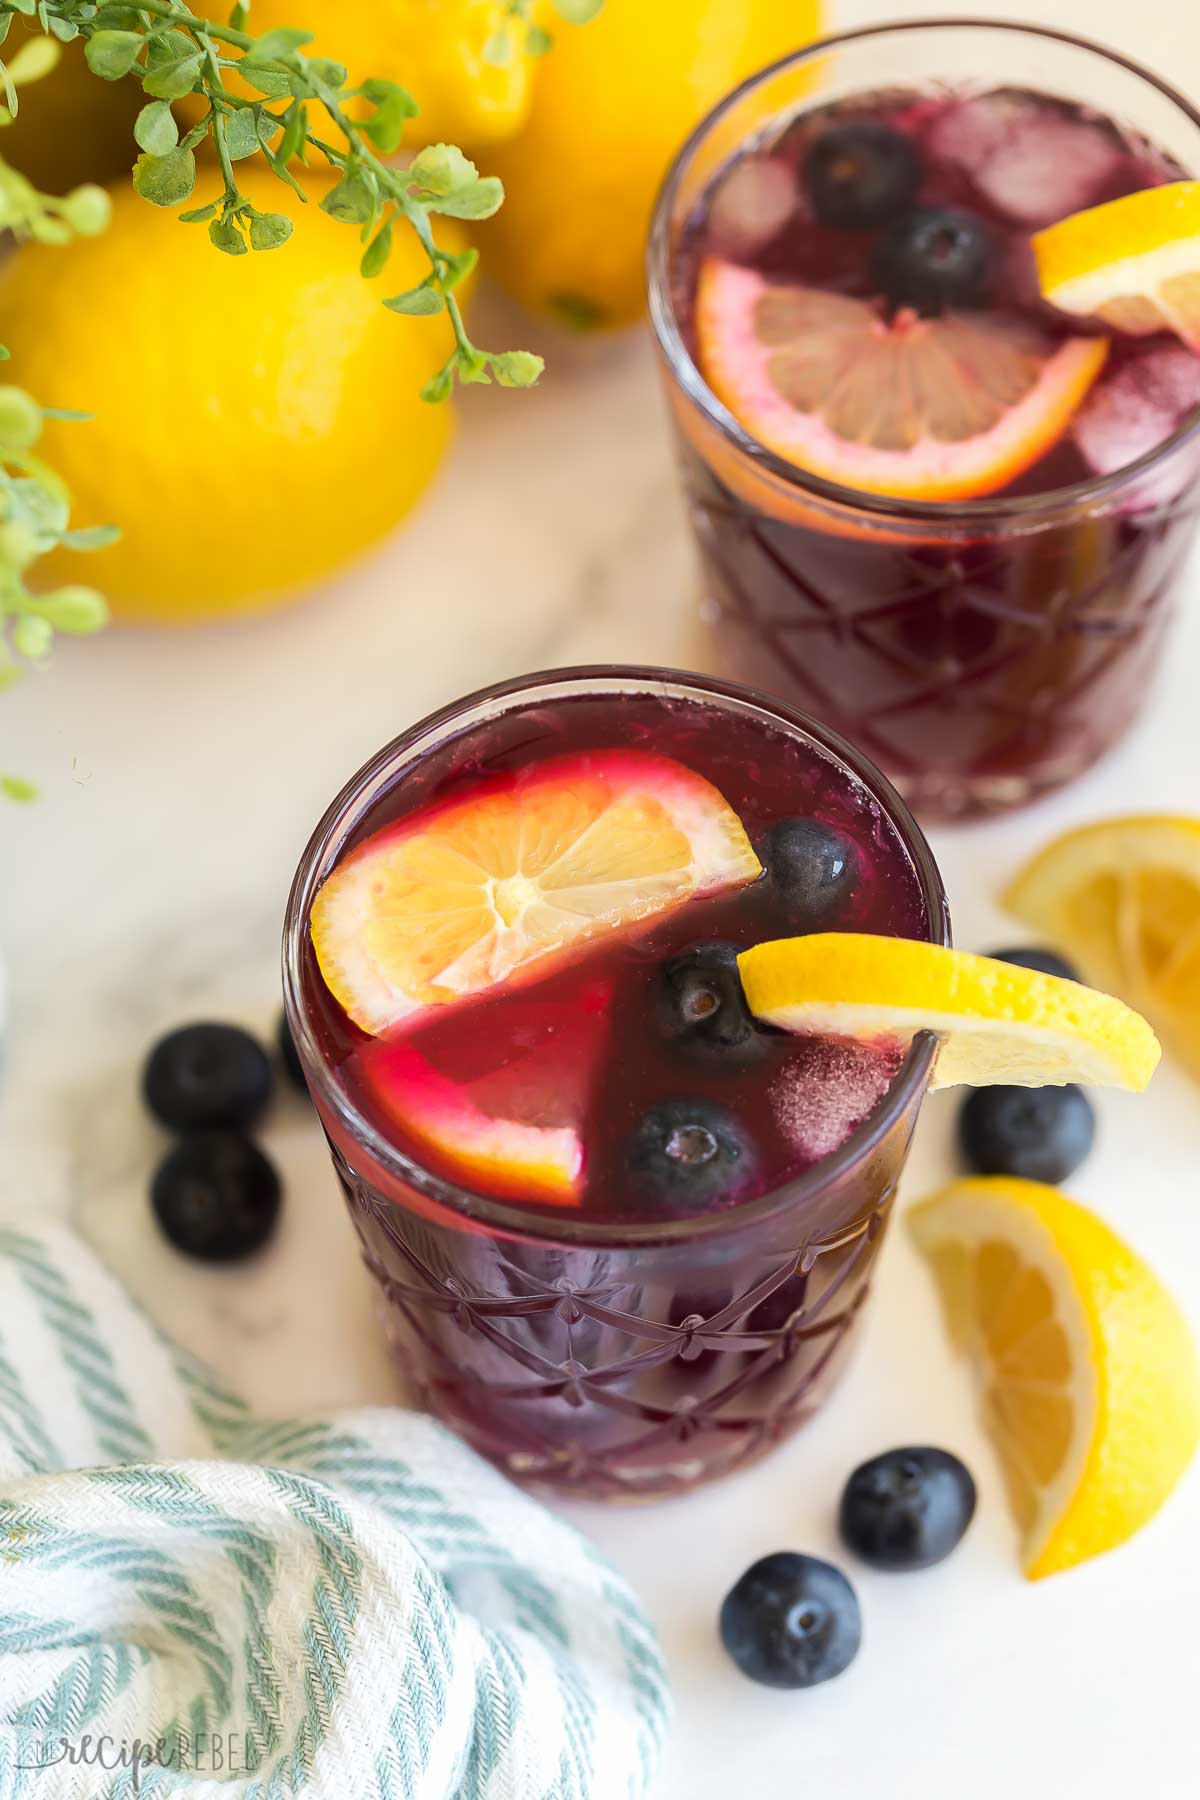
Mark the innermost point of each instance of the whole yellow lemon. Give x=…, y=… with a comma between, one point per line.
x=434, y=48
x=612, y=102
x=256, y=418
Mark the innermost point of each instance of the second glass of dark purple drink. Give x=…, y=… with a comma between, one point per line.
x=931, y=509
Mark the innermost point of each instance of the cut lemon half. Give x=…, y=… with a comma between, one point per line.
x=528, y=1162
x=461, y=897
x=1088, y=1372
x=995, y=1022
x=924, y=409
x=1135, y=262
x=1124, y=897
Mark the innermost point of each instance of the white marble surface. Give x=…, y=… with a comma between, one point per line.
x=181, y=776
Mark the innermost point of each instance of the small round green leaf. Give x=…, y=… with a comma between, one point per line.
x=155, y=129
x=285, y=40
x=33, y=60
x=87, y=209
x=47, y=230
x=20, y=543
x=111, y=54
x=31, y=636
x=241, y=132
x=269, y=230
x=77, y=610
x=442, y=169
x=274, y=83
x=353, y=200
x=479, y=201
x=20, y=419
x=226, y=236
x=417, y=302
x=172, y=80
x=329, y=73
x=165, y=180
x=499, y=49
x=517, y=368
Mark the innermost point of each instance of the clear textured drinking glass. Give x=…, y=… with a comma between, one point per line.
x=982, y=652
x=610, y=1356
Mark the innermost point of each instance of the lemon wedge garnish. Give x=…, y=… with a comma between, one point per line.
x=1134, y=262
x=995, y=1022
x=1087, y=1371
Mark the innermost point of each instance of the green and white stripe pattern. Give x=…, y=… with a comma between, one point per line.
x=345, y=1607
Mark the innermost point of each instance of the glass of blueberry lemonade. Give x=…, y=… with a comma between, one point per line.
x=622, y=1232
x=933, y=508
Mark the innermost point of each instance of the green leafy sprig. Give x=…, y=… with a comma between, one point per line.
x=35, y=506
x=300, y=106
x=501, y=47
x=297, y=109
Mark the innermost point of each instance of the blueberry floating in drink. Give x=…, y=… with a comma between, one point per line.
x=861, y=174
x=702, y=1007
x=933, y=258
x=814, y=869
x=689, y=1156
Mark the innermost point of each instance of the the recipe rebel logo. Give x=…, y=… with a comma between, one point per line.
x=203, y=1753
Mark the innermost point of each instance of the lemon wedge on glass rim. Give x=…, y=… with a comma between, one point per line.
x=1087, y=1370
x=995, y=1022
x=1133, y=262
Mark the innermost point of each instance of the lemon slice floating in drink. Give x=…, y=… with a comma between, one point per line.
x=1124, y=895
x=943, y=408
x=1134, y=262
x=470, y=894
x=995, y=1022
x=508, y=1156
x=1087, y=1370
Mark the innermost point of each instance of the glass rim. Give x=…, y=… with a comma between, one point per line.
x=1020, y=511
x=552, y=1225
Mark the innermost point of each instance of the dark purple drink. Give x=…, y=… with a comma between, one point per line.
x=677, y=1295
x=917, y=487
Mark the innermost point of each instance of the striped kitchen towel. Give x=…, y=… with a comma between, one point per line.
x=198, y=1603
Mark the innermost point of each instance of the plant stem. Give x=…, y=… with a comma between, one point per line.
x=240, y=40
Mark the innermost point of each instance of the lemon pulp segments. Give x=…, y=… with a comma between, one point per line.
x=1124, y=896
x=1087, y=1371
x=935, y=409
